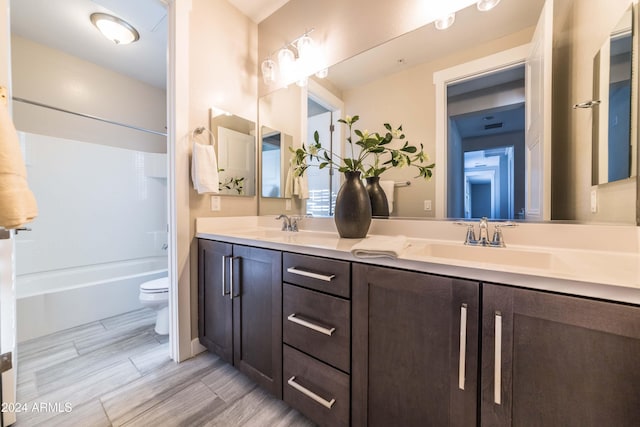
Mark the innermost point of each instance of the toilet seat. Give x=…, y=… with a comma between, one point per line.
x=157, y=286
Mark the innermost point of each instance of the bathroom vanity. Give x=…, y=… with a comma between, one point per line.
x=438, y=336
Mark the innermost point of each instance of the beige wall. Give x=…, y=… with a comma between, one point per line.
x=52, y=77
x=580, y=29
x=408, y=98
x=222, y=72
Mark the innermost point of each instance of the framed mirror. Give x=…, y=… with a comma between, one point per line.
x=614, y=147
x=236, y=149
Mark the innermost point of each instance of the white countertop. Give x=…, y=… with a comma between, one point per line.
x=593, y=261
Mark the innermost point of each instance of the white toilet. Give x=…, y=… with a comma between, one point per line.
x=155, y=295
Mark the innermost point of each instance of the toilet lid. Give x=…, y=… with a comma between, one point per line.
x=157, y=285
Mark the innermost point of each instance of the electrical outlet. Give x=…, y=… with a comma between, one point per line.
x=594, y=201
x=287, y=205
x=427, y=205
x=215, y=203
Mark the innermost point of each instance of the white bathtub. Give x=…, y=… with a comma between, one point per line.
x=51, y=301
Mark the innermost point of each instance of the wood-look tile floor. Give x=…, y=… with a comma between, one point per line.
x=117, y=372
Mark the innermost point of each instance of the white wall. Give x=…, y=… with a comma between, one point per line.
x=58, y=79
x=96, y=203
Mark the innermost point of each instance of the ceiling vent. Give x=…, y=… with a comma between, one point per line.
x=493, y=126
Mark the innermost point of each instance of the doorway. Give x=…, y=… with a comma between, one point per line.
x=486, y=145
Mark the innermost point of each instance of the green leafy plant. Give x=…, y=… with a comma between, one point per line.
x=365, y=147
x=231, y=183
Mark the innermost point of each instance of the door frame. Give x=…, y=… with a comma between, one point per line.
x=441, y=79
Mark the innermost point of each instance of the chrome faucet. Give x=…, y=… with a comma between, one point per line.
x=497, y=241
x=288, y=223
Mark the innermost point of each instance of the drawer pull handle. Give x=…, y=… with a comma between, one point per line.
x=224, y=275
x=463, y=346
x=326, y=278
x=497, y=364
x=306, y=324
x=326, y=403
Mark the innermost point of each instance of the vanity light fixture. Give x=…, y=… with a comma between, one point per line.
x=114, y=28
x=486, y=5
x=445, y=22
x=297, y=60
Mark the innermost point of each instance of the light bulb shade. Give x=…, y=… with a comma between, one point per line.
x=302, y=81
x=445, y=22
x=114, y=28
x=305, y=47
x=269, y=72
x=285, y=58
x=485, y=5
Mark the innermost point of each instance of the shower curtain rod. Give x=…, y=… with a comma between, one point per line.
x=88, y=116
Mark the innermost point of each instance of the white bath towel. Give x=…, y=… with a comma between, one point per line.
x=17, y=203
x=296, y=186
x=204, y=169
x=380, y=247
x=388, y=187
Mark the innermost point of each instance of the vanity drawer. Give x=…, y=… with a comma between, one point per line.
x=318, y=324
x=315, y=389
x=322, y=274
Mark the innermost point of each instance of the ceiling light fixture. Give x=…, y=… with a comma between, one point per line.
x=445, y=22
x=486, y=5
x=114, y=28
x=297, y=61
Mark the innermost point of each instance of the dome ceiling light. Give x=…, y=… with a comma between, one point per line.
x=114, y=28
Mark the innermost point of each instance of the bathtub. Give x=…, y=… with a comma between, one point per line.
x=52, y=301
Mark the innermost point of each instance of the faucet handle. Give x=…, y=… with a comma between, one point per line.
x=498, y=238
x=470, y=237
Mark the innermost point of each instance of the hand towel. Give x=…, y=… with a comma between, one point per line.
x=204, y=169
x=289, y=182
x=388, y=187
x=380, y=247
x=17, y=203
x=301, y=187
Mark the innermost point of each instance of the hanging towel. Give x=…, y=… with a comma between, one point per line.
x=204, y=169
x=388, y=187
x=295, y=186
x=289, y=182
x=17, y=203
x=380, y=247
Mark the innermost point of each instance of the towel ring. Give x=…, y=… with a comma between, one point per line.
x=199, y=131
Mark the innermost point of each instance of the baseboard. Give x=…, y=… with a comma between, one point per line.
x=196, y=347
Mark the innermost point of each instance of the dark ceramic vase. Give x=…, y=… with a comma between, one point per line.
x=353, y=208
x=378, y=198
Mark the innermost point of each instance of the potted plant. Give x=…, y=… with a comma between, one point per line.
x=371, y=154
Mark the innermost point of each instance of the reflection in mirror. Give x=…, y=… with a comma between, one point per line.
x=235, y=144
x=612, y=143
x=275, y=152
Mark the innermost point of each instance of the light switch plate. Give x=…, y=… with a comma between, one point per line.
x=427, y=205
x=287, y=205
x=594, y=201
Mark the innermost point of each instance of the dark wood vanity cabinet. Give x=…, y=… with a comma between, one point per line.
x=240, y=309
x=553, y=360
x=362, y=345
x=407, y=364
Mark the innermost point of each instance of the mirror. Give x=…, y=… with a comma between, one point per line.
x=613, y=145
x=274, y=157
x=236, y=147
x=394, y=82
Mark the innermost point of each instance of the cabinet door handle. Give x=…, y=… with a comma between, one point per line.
x=326, y=403
x=463, y=346
x=497, y=364
x=224, y=275
x=326, y=278
x=231, y=276
x=307, y=324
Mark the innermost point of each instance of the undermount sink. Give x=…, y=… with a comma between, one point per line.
x=504, y=256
